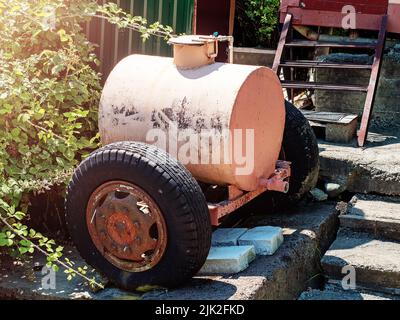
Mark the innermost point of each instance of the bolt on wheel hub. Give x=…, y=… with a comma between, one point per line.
x=126, y=226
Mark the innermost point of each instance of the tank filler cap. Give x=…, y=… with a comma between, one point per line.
x=194, y=51
x=192, y=40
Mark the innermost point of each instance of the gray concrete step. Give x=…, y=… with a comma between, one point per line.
x=375, y=169
x=376, y=262
x=332, y=292
x=379, y=216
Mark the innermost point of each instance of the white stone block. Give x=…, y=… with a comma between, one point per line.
x=266, y=240
x=227, y=237
x=228, y=260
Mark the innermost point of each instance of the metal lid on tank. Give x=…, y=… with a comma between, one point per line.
x=194, y=51
x=192, y=40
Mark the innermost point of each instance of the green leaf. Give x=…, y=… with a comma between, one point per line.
x=57, y=69
x=4, y=242
x=22, y=250
x=25, y=243
x=24, y=117
x=19, y=215
x=60, y=161
x=63, y=35
x=15, y=132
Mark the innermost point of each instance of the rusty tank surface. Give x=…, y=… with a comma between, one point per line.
x=216, y=96
x=186, y=142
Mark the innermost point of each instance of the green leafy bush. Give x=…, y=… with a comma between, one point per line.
x=258, y=21
x=49, y=94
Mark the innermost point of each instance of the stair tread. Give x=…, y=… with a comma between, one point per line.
x=345, y=44
x=376, y=207
x=329, y=117
x=323, y=86
x=320, y=64
x=377, y=215
x=333, y=292
x=376, y=261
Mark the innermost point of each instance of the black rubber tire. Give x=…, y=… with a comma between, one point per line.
x=171, y=186
x=300, y=147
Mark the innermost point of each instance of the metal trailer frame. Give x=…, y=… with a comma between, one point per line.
x=238, y=198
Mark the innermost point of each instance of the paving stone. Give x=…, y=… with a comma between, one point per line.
x=228, y=260
x=226, y=237
x=266, y=240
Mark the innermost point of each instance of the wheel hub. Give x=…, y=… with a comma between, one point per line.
x=120, y=229
x=126, y=226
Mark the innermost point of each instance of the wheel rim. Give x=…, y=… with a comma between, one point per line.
x=126, y=226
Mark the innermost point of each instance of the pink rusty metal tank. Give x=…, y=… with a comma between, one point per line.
x=145, y=96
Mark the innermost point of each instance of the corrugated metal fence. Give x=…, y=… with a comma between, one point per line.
x=115, y=44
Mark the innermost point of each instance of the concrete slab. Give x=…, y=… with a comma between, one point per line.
x=376, y=262
x=379, y=216
x=374, y=169
x=266, y=240
x=308, y=230
x=228, y=260
x=226, y=237
x=253, y=56
x=25, y=281
x=334, y=293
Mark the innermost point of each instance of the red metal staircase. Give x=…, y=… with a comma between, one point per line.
x=287, y=42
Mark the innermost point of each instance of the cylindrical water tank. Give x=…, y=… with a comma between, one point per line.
x=145, y=96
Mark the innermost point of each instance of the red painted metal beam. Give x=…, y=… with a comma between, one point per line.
x=378, y=7
x=373, y=84
x=238, y=199
x=330, y=19
x=328, y=13
x=282, y=42
x=394, y=16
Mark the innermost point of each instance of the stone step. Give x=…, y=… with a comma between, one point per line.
x=332, y=292
x=375, y=169
x=376, y=262
x=379, y=216
x=228, y=260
